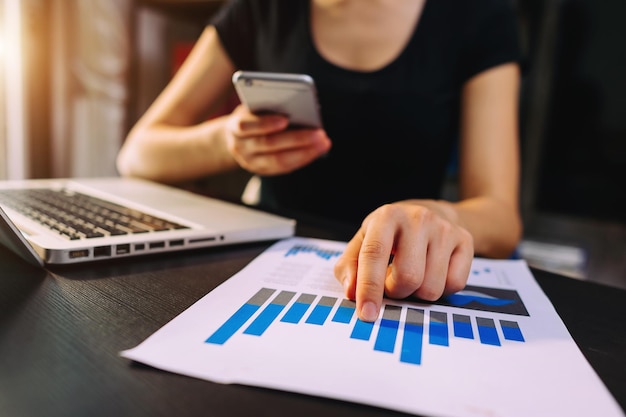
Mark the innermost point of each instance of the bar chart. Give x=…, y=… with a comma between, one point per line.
x=323, y=253
x=283, y=322
x=402, y=329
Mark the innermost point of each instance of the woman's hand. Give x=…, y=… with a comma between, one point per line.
x=263, y=145
x=409, y=248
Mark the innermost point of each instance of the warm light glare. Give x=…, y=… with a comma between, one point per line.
x=10, y=51
x=13, y=89
x=3, y=37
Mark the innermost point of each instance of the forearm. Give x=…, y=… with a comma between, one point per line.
x=495, y=225
x=173, y=154
x=489, y=161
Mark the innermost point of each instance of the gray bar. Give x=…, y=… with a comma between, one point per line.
x=438, y=317
x=261, y=297
x=283, y=298
x=306, y=298
x=484, y=322
x=392, y=312
x=348, y=304
x=415, y=316
x=327, y=301
x=510, y=324
x=459, y=318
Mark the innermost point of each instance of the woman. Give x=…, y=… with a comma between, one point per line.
x=401, y=83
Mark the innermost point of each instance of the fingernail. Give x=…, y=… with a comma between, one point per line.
x=369, y=311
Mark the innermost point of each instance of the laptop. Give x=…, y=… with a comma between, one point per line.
x=65, y=221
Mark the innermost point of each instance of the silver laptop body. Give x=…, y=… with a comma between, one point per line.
x=201, y=221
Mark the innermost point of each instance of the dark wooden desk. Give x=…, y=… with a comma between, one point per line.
x=61, y=331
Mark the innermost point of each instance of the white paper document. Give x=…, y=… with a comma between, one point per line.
x=497, y=348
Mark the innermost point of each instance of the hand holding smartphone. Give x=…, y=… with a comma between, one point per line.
x=292, y=95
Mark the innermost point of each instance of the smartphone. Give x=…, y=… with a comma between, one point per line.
x=292, y=95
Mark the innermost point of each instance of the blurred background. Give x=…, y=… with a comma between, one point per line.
x=76, y=74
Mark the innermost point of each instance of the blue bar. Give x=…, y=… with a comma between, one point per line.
x=362, y=330
x=295, y=313
x=511, y=331
x=297, y=310
x=413, y=337
x=388, y=330
x=345, y=312
x=269, y=314
x=233, y=324
x=462, y=326
x=438, y=330
x=318, y=315
x=240, y=317
x=321, y=311
x=487, y=332
x=386, y=339
x=263, y=320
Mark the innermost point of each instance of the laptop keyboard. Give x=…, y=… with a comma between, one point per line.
x=80, y=216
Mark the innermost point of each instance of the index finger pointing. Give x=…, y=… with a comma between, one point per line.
x=372, y=271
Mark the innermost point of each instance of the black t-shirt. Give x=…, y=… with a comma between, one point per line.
x=393, y=129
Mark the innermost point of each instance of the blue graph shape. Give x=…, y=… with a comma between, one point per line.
x=464, y=298
x=494, y=300
x=322, y=253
